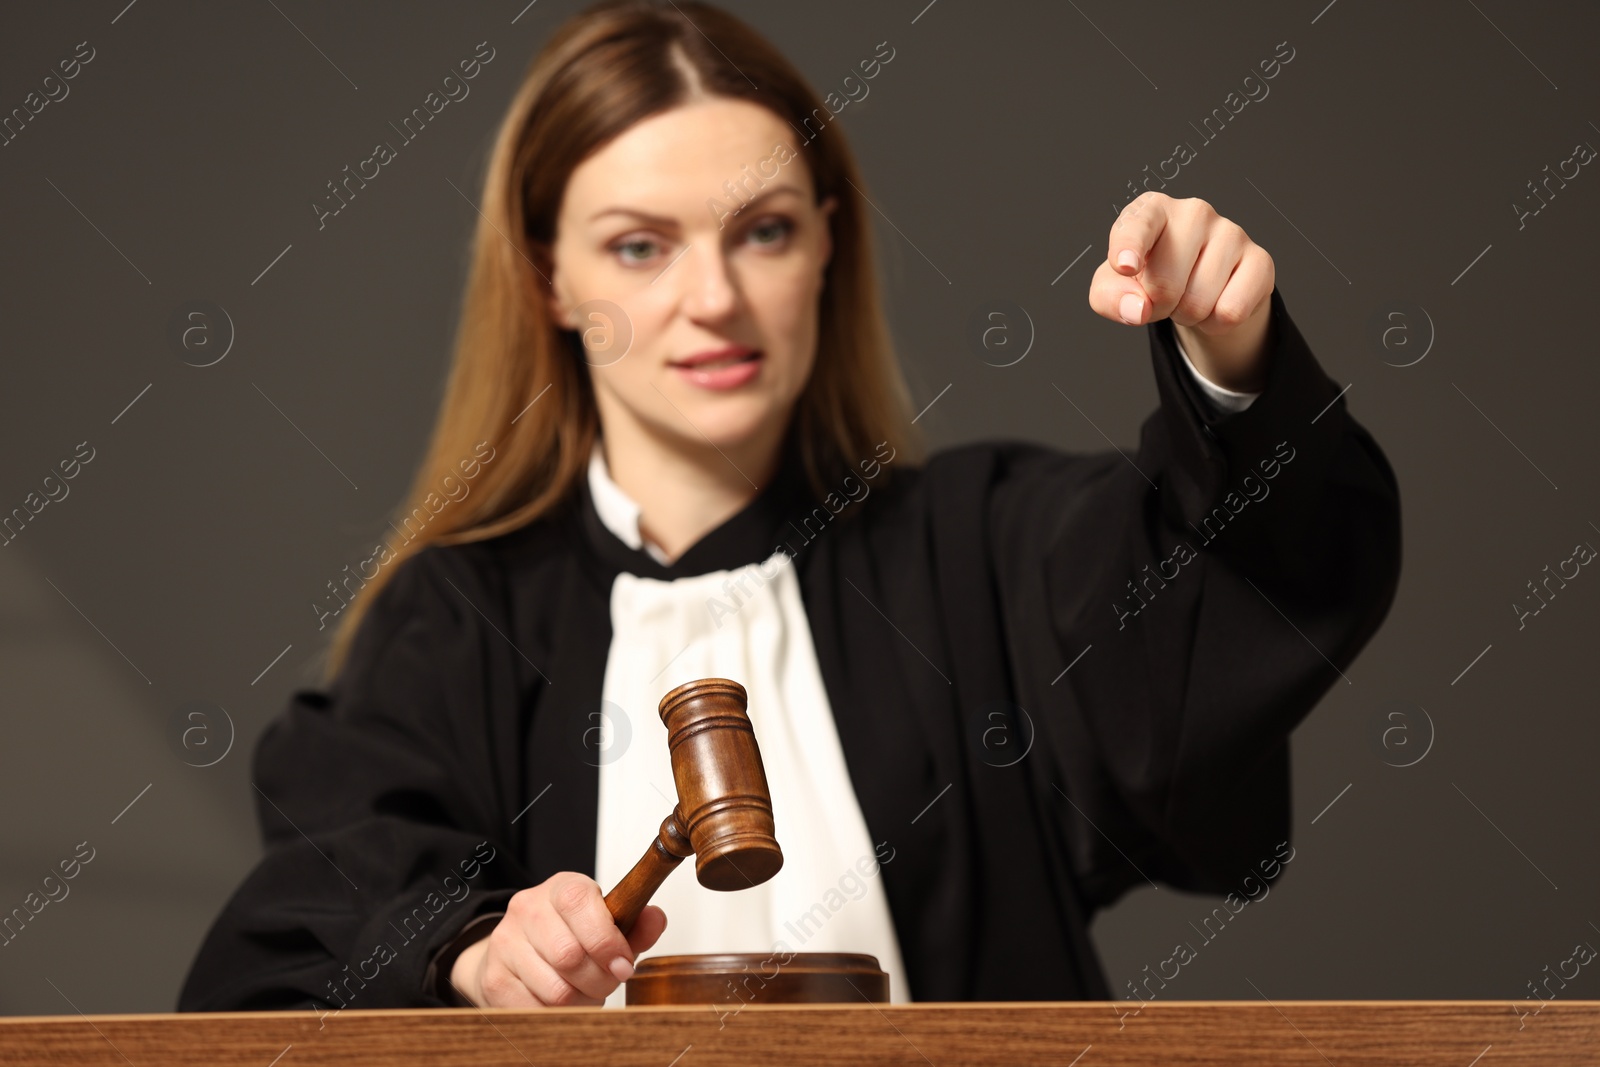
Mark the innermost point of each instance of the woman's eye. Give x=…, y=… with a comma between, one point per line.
x=771, y=231
x=635, y=251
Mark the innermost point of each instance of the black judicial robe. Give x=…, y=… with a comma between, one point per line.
x=394, y=806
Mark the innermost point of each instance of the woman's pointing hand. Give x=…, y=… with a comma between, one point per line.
x=1179, y=259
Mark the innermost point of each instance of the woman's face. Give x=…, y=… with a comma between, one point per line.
x=718, y=302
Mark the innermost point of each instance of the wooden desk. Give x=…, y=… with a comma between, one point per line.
x=1316, y=1033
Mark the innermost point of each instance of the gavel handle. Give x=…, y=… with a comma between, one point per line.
x=670, y=848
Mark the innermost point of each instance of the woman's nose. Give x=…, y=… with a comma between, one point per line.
x=710, y=290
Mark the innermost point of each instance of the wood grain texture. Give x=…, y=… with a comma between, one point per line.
x=1315, y=1033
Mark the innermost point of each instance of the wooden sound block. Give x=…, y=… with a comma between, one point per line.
x=735, y=979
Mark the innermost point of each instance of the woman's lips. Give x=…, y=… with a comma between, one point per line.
x=724, y=369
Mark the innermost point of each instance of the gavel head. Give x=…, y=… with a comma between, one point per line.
x=724, y=805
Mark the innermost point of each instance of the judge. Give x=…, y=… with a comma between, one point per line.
x=993, y=688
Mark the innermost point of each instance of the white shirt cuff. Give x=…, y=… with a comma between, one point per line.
x=1223, y=399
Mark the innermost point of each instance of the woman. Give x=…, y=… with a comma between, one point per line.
x=992, y=691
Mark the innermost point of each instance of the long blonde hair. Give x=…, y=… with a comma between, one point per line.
x=604, y=70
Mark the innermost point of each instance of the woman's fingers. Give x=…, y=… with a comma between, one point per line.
x=1252, y=281
x=530, y=981
x=500, y=985
x=1137, y=229
x=648, y=930
x=1179, y=259
x=1118, y=298
x=1212, y=271
x=579, y=938
x=558, y=945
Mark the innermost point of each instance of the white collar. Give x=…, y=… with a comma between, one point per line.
x=617, y=510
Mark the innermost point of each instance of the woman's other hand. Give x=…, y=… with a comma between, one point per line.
x=557, y=946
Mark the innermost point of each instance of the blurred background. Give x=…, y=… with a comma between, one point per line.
x=1419, y=172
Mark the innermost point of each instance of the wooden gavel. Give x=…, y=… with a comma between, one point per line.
x=724, y=812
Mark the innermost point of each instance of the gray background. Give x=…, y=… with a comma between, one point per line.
x=1381, y=166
